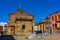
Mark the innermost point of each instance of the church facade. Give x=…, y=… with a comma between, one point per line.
x=20, y=22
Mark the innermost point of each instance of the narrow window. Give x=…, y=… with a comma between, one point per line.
x=23, y=27
x=56, y=25
x=52, y=17
x=59, y=16
x=55, y=18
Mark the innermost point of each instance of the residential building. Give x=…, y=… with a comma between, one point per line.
x=53, y=23
x=49, y=25
x=43, y=26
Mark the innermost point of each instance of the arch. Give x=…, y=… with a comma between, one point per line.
x=23, y=27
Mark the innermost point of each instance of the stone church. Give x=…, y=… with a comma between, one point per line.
x=20, y=22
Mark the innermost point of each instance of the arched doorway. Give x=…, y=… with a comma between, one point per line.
x=23, y=27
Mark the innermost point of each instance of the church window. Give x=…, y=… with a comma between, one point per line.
x=23, y=27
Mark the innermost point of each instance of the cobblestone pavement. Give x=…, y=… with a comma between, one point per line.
x=50, y=37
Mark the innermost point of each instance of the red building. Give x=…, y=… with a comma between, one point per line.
x=54, y=20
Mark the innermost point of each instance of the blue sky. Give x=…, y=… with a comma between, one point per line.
x=39, y=8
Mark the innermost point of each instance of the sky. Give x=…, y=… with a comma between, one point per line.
x=39, y=8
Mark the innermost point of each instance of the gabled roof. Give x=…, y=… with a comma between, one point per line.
x=54, y=13
x=21, y=11
x=36, y=24
x=44, y=21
